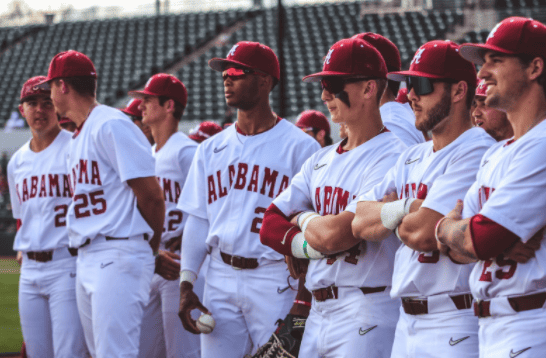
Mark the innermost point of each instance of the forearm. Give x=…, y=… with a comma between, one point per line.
x=416, y=230
x=151, y=205
x=194, y=244
x=367, y=224
x=331, y=233
x=456, y=235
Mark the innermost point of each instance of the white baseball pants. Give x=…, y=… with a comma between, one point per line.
x=353, y=325
x=112, y=288
x=47, y=308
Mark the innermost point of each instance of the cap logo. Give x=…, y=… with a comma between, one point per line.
x=328, y=57
x=149, y=81
x=492, y=33
x=417, y=57
x=232, y=51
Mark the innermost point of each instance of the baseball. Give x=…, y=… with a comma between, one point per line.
x=206, y=323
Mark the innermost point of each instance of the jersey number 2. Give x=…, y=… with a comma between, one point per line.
x=81, y=202
x=257, y=222
x=60, y=218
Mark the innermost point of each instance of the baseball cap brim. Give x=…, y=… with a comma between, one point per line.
x=474, y=52
x=401, y=75
x=44, y=84
x=220, y=64
x=317, y=77
x=141, y=94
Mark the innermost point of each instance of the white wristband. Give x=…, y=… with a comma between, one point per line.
x=302, y=250
x=188, y=276
x=392, y=213
x=304, y=219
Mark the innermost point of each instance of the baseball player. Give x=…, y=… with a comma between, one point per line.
x=234, y=177
x=133, y=111
x=504, y=209
x=316, y=125
x=117, y=213
x=163, y=101
x=40, y=195
x=493, y=121
x=352, y=311
x=204, y=131
x=398, y=117
x=421, y=188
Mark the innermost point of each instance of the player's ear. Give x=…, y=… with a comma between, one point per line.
x=64, y=87
x=22, y=110
x=370, y=88
x=536, y=68
x=458, y=92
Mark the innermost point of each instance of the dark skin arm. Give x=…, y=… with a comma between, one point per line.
x=188, y=302
x=151, y=204
x=166, y=265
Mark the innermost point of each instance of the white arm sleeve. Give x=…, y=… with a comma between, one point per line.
x=194, y=246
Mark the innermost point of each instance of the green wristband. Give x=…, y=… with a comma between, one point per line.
x=305, y=249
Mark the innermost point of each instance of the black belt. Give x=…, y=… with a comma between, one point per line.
x=45, y=256
x=415, y=306
x=521, y=303
x=331, y=292
x=239, y=262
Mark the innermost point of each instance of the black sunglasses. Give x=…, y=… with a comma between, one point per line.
x=422, y=85
x=335, y=85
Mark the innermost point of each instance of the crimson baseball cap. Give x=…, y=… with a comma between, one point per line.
x=69, y=64
x=30, y=88
x=481, y=89
x=438, y=59
x=386, y=48
x=313, y=119
x=512, y=36
x=132, y=108
x=204, y=131
x=166, y=85
x=252, y=55
x=402, y=96
x=352, y=57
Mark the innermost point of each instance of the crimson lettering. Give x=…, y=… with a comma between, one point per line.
x=241, y=176
x=54, y=183
x=33, y=186
x=317, y=200
x=83, y=171
x=334, y=200
x=270, y=178
x=413, y=191
x=95, y=174
x=167, y=190
x=253, y=185
x=43, y=190
x=222, y=189
x=212, y=189
x=284, y=184
x=44, y=182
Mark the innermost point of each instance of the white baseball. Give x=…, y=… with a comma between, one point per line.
x=206, y=323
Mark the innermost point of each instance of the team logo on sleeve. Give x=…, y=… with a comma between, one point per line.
x=328, y=57
x=417, y=57
x=232, y=51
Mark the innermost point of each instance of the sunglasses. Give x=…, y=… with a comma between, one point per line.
x=236, y=73
x=335, y=85
x=422, y=85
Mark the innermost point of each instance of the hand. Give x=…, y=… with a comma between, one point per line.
x=19, y=257
x=523, y=252
x=457, y=212
x=297, y=267
x=188, y=302
x=174, y=243
x=390, y=197
x=166, y=266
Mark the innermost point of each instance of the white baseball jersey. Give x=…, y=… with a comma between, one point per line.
x=328, y=181
x=511, y=190
x=440, y=178
x=172, y=163
x=234, y=178
x=40, y=194
x=400, y=120
x=106, y=152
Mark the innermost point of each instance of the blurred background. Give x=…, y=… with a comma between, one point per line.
x=129, y=41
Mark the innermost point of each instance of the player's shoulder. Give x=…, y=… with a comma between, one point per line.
x=64, y=137
x=291, y=132
x=417, y=150
x=218, y=140
x=476, y=137
x=106, y=116
x=179, y=141
x=391, y=143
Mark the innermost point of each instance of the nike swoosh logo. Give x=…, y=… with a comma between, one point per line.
x=409, y=161
x=452, y=342
x=104, y=265
x=317, y=167
x=515, y=354
x=485, y=162
x=281, y=290
x=218, y=150
x=364, y=331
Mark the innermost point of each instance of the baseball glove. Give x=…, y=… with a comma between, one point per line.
x=285, y=341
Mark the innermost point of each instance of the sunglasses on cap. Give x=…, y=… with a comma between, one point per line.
x=335, y=85
x=235, y=73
